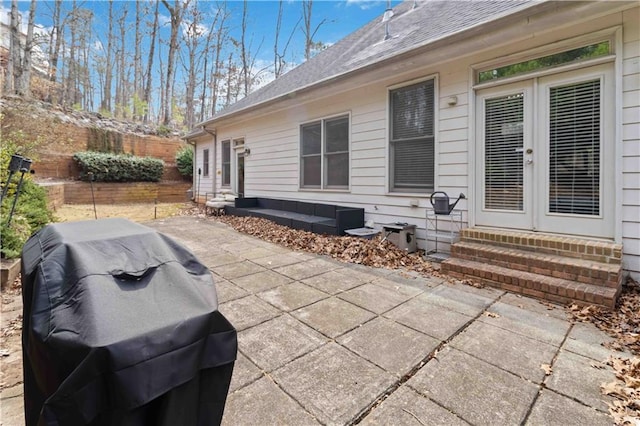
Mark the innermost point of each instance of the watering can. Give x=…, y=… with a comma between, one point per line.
x=440, y=202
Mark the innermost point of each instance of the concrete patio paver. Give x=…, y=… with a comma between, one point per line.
x=274, y=343
x=374, y=298
x=554, y=409
x=292, y=296
x=334, y=282
x=510, y=351
x=429, y=319
x=545, y=328
x=261, y=281
x=265, y=401
x=475, y=390
x=378, y=341
x=247, y=311
x=333, y=317
x=568, y=378
x=406, y=407
x=335, y=343
x=333, y=383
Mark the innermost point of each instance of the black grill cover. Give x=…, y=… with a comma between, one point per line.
x=121, y=327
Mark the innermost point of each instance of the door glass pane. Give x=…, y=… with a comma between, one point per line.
x=574, y=149
x=504, y=143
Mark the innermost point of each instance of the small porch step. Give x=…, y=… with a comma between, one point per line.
x=554, y=289
x=577, y=248
x=553, y=265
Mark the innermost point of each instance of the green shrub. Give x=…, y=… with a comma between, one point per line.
x=31, y=212
x=184, y=161
x=107, y=167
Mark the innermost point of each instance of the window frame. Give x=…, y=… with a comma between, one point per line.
x=205, y=162
x=324, y=155
x=392, y=189
x=225, y=177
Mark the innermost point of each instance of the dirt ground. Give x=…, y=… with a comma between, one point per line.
x=134, y=212
x=11, y=316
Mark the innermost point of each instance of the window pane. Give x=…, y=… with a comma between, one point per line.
x=205, y=162
x=574, y=55
x=574, y=149
x=337, y=135
x=413, y=165
x=504, y=142
x=311, y=138
x=226, y=163
x=412, y=111
x=311, y=171
x=337, y=170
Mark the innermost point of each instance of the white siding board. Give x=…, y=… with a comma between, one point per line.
x=457, y=123
x=453, y=135
x=453, y=158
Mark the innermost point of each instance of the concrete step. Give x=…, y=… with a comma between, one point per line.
x=553, y=289
x=553, y=265
x=594, y=250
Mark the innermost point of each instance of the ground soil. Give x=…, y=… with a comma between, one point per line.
x=134, y=212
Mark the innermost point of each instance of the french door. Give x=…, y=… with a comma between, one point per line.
x=545, y=154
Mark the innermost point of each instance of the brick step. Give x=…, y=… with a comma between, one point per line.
x=568, y=268
x=594, y=250
x=556, y=290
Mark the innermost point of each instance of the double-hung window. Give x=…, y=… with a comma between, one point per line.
x=205, y=162
x=411, y=137
x=324, y=158
x=226, y=163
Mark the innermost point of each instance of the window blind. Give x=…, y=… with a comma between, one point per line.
x=574, y=148
x=504, y=144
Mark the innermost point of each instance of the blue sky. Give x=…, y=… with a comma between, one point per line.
x=341, y=17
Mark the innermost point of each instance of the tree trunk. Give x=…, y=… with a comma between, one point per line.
x=24, y=84
x=176, y=13
x=15, y=48
x=137, y=66
x=105, y=104
x=147, y=91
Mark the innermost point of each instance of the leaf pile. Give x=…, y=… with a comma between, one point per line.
x=625, y=408
x=374, y=252
x=623, y=323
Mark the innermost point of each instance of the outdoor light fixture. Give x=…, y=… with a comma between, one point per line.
x=247, y=151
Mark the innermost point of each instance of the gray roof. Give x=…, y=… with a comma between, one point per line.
x=410, y=29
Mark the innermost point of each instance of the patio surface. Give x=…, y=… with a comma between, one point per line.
x=324, y=342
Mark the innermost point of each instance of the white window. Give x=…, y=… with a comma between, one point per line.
x=411, y=137
x=226, y=163
x=324, y=158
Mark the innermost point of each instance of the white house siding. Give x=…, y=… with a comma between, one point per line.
x=631, y=142
x=272, y=169
x=203, y=184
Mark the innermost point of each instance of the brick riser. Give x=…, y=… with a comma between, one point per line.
x=568, y=268
x=555, y=290
x=596, y=251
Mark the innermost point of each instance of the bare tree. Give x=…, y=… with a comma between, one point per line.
x=308, y=30
x=221, y=39
x=24, y=82
x=121, y=97
x=13, y=64
x=55, y=40
x=177, y=12
x=279, y=62
x=105, y=104
x=137, y=65
x=147, y=90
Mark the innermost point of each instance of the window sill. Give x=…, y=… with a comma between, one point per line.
x=339, y=191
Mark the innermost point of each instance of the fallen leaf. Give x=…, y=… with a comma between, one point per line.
x=547, y=369
x=491, y=314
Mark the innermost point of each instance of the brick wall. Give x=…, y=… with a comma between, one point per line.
x=123, y=193
x=57, y=141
